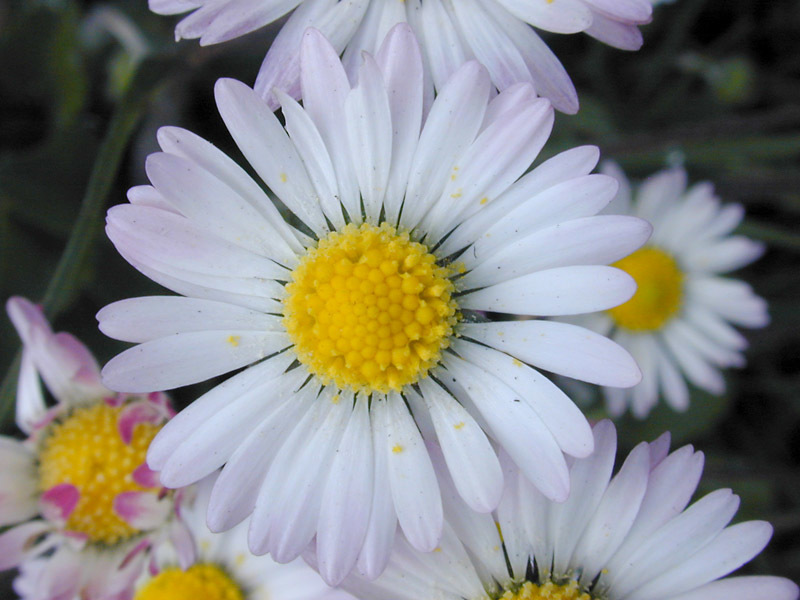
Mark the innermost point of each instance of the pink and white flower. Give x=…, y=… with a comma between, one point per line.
x=65, y=540
x=498, y=33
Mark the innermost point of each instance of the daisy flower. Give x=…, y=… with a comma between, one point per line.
x=498, y=33
x=348, y=322
x=627, y=537
x=223, y=568
x=77, y=489
x=678, y=325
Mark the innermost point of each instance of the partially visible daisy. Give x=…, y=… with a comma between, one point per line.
x=498, y=33
x=350, y=327
x=222, y=567
x=630, y=537
x=77, y=489
x=678, y=326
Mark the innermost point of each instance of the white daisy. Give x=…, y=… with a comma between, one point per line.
x=498, y=33
x=410, y=230
x=678, y=325
x=222, y=568
x=77, y=489
x=630, y=537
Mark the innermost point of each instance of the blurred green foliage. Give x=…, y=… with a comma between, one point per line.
x=84, y=85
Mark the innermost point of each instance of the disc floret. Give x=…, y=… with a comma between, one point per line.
x=369, y=309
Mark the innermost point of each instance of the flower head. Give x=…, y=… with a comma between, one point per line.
x=626, y=537
x=679, y=323
x=498, y=33
x=363, y=316
x=78, y=485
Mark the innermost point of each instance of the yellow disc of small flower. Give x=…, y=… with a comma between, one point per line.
x=199, y=582
x=659, y=291
x=546, y=591
x=86, y=450
x=369, y=309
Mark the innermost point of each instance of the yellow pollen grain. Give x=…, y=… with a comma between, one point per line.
x=516, y=362
x=484, y=200
x=200, y=581
x=369, y=309
x=397, y=449
x=86, y=450
x=545, y=591
x=459, y=425
x=284, y=177
x=659, y=291
x=233, y=340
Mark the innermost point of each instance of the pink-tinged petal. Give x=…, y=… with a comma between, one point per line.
x=58, y=502
x=183, y=541
x=15, y=541
x=133, y=414
x=141, y=510
x=30, y=400
x=137, y=550
x=146, y=477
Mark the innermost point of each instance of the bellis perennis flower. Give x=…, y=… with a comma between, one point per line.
x=678, y=325
x=366, y=315
x=630, y=537
x=77, y=491
x=497, y=33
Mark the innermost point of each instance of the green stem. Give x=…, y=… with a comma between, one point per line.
x=65, y=282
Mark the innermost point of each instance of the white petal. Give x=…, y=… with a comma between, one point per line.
x=346, y=500
x=561, y=348
x=614, y=515
x=285, y=517
x=369, y=132
x=213, y=442
x=472, y=462
x=561, y=291
x=595, y=240
x=560, y=414
x=152, y=317
x=744, y=588
x=732, y=548
x=266, y=145
x=181, y=426
x=379, y=540
x=236, y=489
x=516, y=427
x=563, y=16
x=401, y=63
x=452, y=124
x=186, y=358
x=415, y=491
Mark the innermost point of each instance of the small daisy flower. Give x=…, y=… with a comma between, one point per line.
x=224, y=569
x=678, y=325
x=78, y=484
x=627, y=537
x=498, y=33
x=368, y=314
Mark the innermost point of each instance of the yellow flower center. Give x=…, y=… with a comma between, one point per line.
x=369, y=309
x=199, y=582
x=87, y=451
x=659, y=290
x=546, y=591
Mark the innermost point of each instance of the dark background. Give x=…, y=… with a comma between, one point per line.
x=716, y=87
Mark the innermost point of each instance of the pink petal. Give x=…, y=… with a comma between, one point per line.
x=133, y=414
x=15, y=541
x=141, y=510
x=146, y=477
x=183, y=541
x=58, y=502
